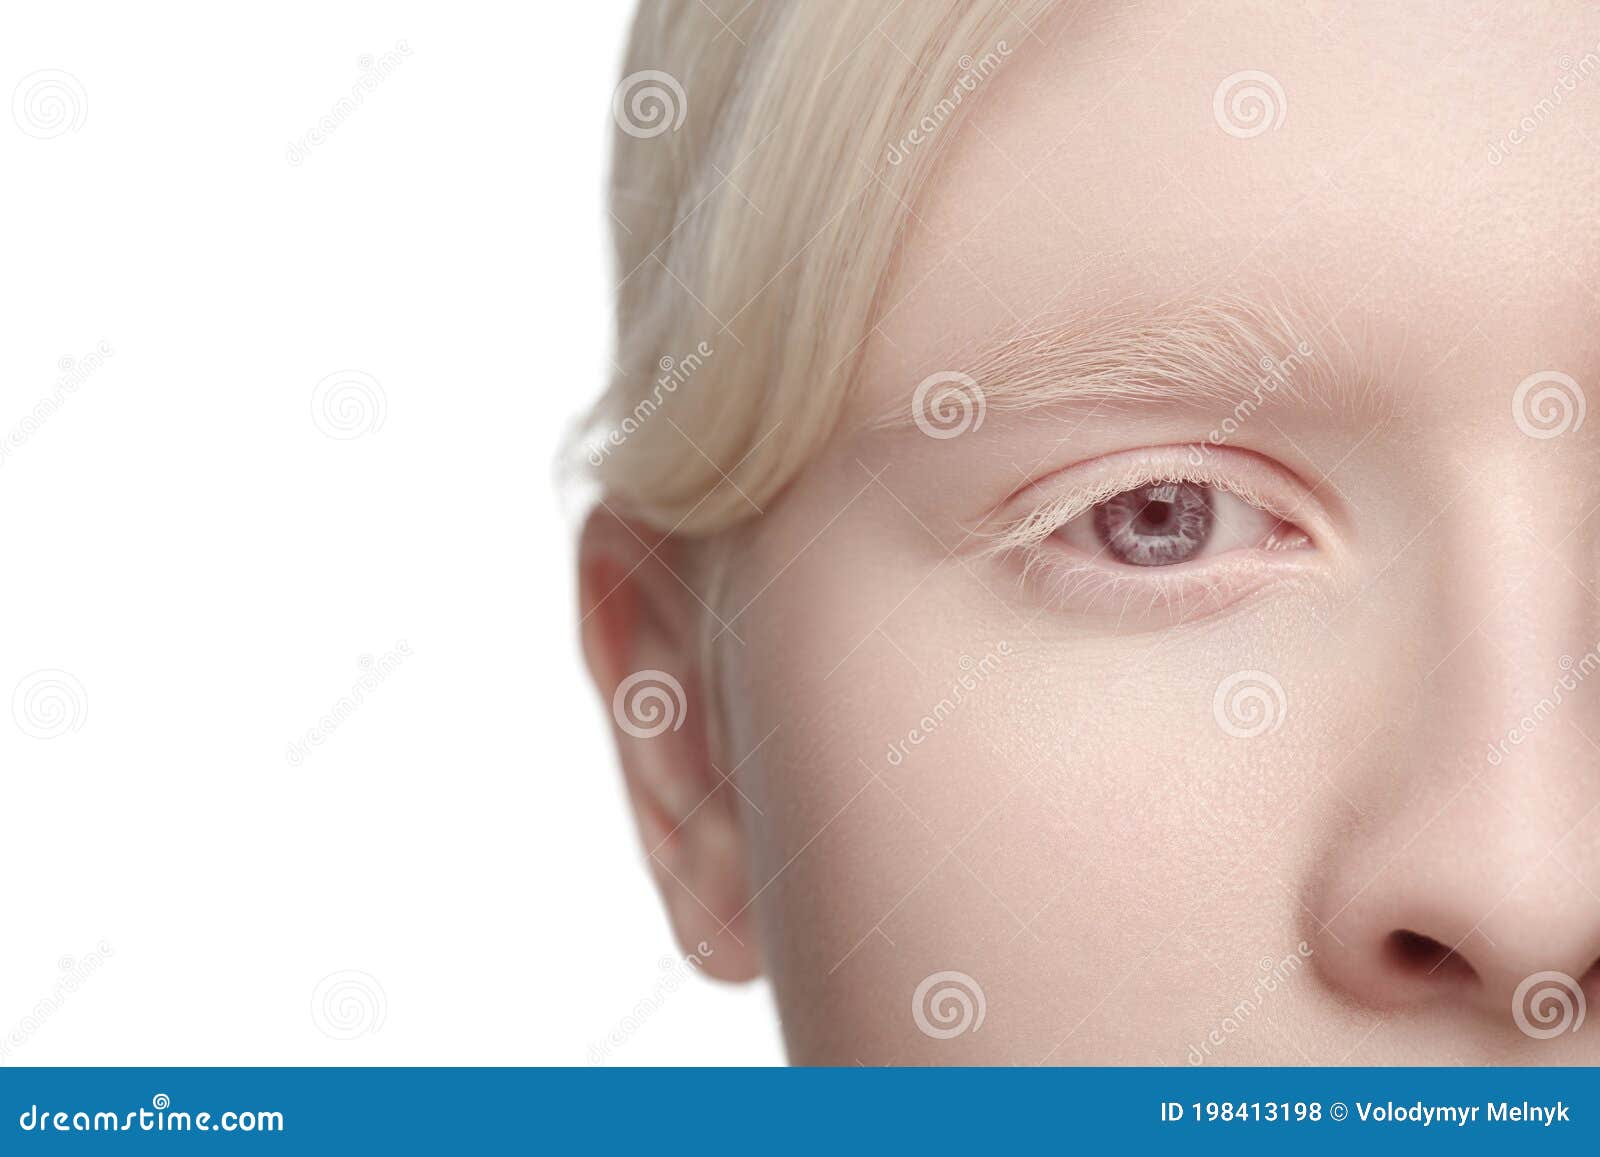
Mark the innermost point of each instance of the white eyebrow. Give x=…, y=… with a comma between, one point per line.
x=1218, y=353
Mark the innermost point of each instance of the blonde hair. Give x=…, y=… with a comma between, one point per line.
x=764, y=170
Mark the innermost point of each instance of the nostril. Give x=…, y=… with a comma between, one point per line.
x=1424, y=956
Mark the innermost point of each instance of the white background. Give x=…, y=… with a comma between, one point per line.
x=185, y=540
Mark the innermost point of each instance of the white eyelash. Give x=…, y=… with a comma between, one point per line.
x=1034, y=528
x=1087, y=584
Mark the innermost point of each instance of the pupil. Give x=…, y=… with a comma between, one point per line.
x=1155, y=517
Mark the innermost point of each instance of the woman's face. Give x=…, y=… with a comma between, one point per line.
x=1213, y=688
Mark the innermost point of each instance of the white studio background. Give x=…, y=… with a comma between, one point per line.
x=198, y=567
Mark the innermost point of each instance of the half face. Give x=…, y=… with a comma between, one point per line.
x=1184, y=653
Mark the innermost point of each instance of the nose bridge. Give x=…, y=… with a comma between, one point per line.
x=1520, y=640
x=1476, y=863
x=1520, y=548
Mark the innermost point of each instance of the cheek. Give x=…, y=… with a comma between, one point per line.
x=948, y=784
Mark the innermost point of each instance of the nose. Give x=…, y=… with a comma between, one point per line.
x=1460, y=917
x=1473, y=872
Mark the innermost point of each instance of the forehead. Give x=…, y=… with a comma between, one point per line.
x=1426, y=173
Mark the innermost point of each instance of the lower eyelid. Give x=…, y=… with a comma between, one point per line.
x=1076, y=582
x=1190, y=590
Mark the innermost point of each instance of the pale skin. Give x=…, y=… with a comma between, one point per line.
x=1110, y=862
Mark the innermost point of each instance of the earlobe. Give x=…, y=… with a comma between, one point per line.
x=640, y=624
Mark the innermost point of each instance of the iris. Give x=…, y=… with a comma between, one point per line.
x=1156, y=525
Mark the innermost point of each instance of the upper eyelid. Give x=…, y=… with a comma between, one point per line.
x=1040, y=522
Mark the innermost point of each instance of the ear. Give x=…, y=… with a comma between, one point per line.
x=641, y=627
